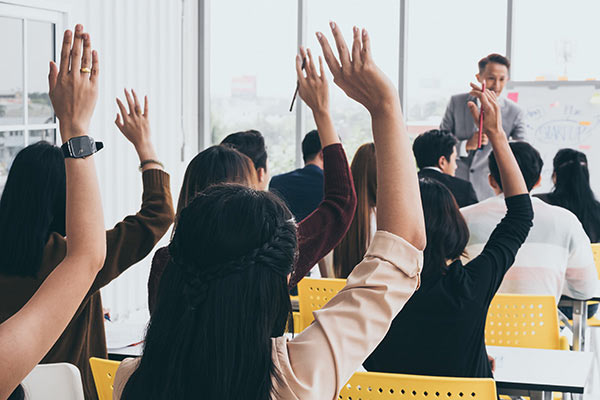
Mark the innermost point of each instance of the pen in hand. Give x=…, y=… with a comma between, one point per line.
x=297, y=86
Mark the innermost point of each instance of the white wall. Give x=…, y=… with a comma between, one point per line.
x=143, y=44
x=140, y=43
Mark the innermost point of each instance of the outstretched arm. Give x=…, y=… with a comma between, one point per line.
x=399, y=209
x=28, y=335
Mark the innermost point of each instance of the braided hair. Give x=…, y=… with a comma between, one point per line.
x=221, y=299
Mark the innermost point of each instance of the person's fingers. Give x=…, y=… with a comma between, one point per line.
x=321, y=69
x=118, y=122
x=95, y=67
x=475, y=86
x=330, y=59
x=145, y=106
x=299, y=72
x=65, y=51
x=304, y=61
x=366, y=45
x=474, y=110
x=129, y=102
x=122, y=108
x=87, y=51
x=52, y=76
x=136, y=102
x=356, y=47
x=311, y=69
x=76, y=50
x=341, y=46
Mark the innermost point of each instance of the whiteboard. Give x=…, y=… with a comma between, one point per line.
x=559, y=115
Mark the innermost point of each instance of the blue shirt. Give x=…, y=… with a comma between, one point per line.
x=302, y=190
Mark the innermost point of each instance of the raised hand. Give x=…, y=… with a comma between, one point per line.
x=312, y=88
x=73, y=91
x=356, y=74
x=135, y=126
x=492, y=115
x=134, y=123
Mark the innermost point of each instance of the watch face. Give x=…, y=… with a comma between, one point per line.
x=82, y=146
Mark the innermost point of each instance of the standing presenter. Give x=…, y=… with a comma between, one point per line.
x=473, y=163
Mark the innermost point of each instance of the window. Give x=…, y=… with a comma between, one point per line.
x=350, y=119
x=554, y=40
x=444, y=45
x=26, y=115
x=251, y=88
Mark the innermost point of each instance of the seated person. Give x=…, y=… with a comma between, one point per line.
x=34, y=242
x=440, y=331
x=556, y=258
x=435, y=152
x=302, y=189
x=223, y=304
x=326, y=226
x=572, y=190
x=355, y=243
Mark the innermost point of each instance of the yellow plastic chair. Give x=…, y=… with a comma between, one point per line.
x=313, y=294
x=104, y=376
x=516, y=320
x=379, y=386
x=594, y=321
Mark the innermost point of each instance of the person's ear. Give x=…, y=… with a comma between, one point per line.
x=478, y=77
x=554, y=178
x=261, y=174
x=442, y=162
x=494, y=184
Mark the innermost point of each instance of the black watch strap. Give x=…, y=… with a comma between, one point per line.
x=80, y=147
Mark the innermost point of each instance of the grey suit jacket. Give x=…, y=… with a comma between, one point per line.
x=473, y=166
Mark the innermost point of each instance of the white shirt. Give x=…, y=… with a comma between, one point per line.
x=555, y=259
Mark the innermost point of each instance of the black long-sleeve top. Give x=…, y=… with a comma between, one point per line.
x=440, y=331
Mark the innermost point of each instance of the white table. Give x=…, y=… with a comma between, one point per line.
x=579, y=318
x=537, y=373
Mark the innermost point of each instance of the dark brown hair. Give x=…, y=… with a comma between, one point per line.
x=353, y=246
x=446, y=228
x=217, y=164
x=493, y=58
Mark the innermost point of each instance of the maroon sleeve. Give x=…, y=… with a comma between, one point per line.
x=322, y=230
x=159, y=263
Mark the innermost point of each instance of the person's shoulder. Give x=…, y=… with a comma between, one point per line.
x=560, y=215
x=484, y=207
x=460, y=98
x=461, y=183
x=510, y=105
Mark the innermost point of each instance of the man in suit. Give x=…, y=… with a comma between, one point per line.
x=472, y=163
x=302, y=189
x=435, y=152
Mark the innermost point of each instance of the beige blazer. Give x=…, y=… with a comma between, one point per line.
x=319, y=361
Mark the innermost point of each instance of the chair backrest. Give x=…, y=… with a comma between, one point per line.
x=60, y=381
x=104, y=376
x=596, y=251
x=314, y=293
x=379, y=386
x=516, y=320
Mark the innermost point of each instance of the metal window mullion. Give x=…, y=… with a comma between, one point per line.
x=25, y=85
x=510, y=22
x=402, y=84
x=204, y=129
x=300, y=107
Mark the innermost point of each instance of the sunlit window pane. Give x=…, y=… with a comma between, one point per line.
x=253, y=45
x=381, y=18
x=560, y=44
x=40, y=50
x=11, y=142
x=446, y=39
x=11, y=71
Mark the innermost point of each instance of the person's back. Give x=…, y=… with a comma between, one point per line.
x=556, y=258
x=441, y=330
x=302, y=189
x=572, y=190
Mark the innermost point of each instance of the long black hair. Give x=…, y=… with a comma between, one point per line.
x=572, y=190
x=446, y=228
x=32, y=207
x=223, y=296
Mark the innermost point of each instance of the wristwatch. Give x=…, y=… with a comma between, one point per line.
x=80, y=147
